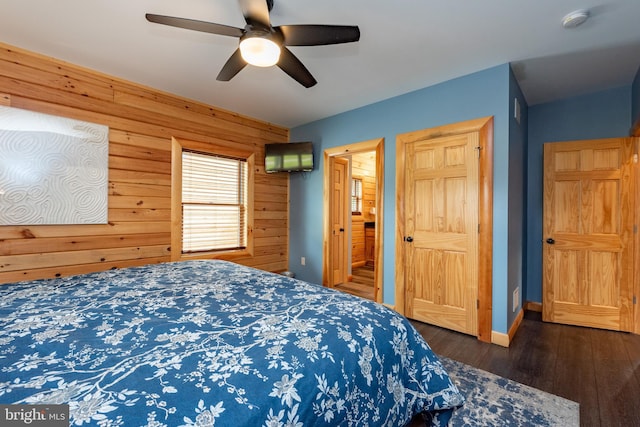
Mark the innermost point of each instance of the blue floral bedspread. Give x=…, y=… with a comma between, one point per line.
x=214, y=343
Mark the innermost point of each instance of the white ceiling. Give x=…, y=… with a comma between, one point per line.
x=405, y=45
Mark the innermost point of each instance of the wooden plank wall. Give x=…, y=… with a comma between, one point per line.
x=141, y=123
x=357, y=241
x=363, y=165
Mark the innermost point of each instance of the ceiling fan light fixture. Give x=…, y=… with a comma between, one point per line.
x=259, y=50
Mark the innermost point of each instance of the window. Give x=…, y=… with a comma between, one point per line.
x=214, y=210
x=356, y=196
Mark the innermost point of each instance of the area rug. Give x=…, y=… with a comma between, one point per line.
x=495, y=401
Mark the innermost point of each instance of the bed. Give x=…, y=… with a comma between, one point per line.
x=213, y=343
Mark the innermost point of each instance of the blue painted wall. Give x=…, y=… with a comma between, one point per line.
x=599, y=115
x=517, y=173
x=635, y=99
x=481, y=94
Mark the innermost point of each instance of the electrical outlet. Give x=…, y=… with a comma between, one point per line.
x=303, y=261
x=516, y=299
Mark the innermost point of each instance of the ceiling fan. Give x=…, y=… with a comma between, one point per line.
x=264, y=45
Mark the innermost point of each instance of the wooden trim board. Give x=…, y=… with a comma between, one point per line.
x=504, y=340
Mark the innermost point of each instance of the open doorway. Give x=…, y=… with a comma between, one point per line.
x=362, y=213
x=338, y=215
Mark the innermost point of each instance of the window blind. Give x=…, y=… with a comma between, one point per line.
x=356, y=195
x=214, y=199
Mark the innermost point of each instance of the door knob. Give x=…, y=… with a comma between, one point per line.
x=342, y=230
x=550, y=241
x=408, y=239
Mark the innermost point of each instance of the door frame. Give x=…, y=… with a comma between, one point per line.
x=376, y=145
x=484, y=127
x=635, y=132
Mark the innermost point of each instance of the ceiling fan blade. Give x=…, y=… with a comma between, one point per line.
x=256, y=12
x=232, y=67
x=292, y=66
x=315, y=35
x=192, y=24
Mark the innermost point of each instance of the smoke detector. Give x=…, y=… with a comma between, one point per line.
x=575, y=18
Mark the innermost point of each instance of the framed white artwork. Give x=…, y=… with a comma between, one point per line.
x=53, y=170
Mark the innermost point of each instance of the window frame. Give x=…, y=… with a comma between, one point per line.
x=358, y=199
x=177, y=147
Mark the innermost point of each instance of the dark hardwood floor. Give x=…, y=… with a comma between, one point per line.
x=598, y=369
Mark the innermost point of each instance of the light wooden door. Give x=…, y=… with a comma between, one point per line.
x=588, y=233
x=339, y=204
x=441, y=231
